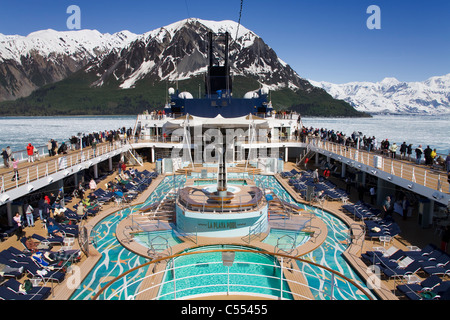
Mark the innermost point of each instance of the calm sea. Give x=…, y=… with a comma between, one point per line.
x=17, y=132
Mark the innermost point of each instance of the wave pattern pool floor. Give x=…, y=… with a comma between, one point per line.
x=116, y=259
x=204, y=274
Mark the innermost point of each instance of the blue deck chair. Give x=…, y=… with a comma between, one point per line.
x=412, y=291
x=398, y=271
x=35, y=293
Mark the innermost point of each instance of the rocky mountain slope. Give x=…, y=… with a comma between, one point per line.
x=47, y=56
x=88, y=72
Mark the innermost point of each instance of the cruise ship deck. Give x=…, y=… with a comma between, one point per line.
x=415, y=231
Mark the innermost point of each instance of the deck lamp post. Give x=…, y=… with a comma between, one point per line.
x=227, y=260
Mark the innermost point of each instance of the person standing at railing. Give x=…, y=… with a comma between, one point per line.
x=30, y=152
x=403, y=149
x=94, y=147
x=15, y=164
x=419, y=152
x=5, y=158
x=49, y=148
x=427, y=155
x=447, y=163
x=9, y=152
x=409, y=151
x=393, y=150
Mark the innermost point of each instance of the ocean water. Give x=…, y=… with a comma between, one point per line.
x=17, y=132
x=425, y=130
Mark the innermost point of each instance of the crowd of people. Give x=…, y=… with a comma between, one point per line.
x=74, y=143
x=385, y=147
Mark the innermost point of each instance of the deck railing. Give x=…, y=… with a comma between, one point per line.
x=29, y=172
x=415, y=173
x=323, y=285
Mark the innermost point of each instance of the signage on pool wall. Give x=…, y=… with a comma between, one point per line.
x=219, y=225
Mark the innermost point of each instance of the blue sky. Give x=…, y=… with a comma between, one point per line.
x=325, y=40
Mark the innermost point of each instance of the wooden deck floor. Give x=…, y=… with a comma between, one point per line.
x=412, y=234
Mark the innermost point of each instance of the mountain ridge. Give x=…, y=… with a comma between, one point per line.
x=431, y=96
x=128, y=66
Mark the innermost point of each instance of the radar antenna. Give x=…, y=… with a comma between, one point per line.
x=239, y=21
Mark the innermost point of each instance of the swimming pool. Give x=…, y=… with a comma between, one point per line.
x=212, y=181
x=116, y=259
x=204, y=274
x=329, y=254
x=286, y=239
x=157, y=240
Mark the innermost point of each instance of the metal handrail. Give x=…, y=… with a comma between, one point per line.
x=277, y=255
x=428, y=178
x=32, y=173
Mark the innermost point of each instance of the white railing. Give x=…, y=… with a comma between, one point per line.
x=420, y=175
x=43, y=168
x=326, y=288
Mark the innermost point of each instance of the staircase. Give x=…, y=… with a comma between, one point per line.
x=308, y=154
x=279, y=209
x=166, y=209
x=243, y=167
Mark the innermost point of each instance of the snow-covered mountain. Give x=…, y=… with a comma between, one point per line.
x=47, y=56
x=392, y=96
x=50, y=43
x=180, y=51
x=174, y=52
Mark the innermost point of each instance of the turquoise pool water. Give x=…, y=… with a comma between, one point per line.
x=158, y=240
x=329, y=254
x=212, y=181
x=205, y=274
x=116, y=259
x=286, y=239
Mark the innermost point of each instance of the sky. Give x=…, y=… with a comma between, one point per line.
x=322, y=40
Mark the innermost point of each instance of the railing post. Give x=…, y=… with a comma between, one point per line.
x=174, y=281
x=281, y=279
x=332, y=286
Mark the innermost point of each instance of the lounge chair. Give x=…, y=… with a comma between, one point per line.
x=12, y=264
x=402, y=270
x=437, y=266
x=37, y=271
x=7, y=294
x=35, y=293
x=423, y=253
x=8, y=231
x=66, y=230
x=388, y=259
x=51, y=240
x=413, y=291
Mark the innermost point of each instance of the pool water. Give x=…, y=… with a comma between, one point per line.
x=158, y=240
x=286, y=239
x=116, y=259
x=212, y=181
x=204, y=274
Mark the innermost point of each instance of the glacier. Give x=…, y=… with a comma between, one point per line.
x=391, y=96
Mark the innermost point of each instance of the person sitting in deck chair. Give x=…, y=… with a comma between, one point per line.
x=54, y=230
